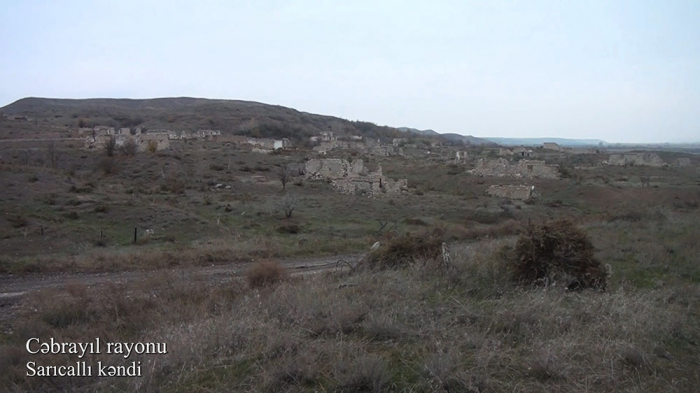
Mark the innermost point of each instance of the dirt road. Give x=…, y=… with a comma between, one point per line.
x=13, y=287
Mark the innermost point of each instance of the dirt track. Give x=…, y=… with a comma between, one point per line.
x=13, y=287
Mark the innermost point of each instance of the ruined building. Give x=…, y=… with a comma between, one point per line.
x=523, y=193
x=521, y=169
x=353, y=177
x=552, y=146
x=461, y=156
x=682, y=162
x=635, y=159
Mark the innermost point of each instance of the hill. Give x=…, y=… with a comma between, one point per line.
x=186, y=113
x=467, y=139
x=540, y=141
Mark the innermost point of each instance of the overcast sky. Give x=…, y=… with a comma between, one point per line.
x=622, y=71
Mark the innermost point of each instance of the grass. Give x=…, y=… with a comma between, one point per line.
x=395, y=330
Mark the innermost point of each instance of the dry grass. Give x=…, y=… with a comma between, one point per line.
x=411, y=329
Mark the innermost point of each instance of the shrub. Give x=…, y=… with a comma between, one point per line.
x=265, y=273
x=108, y=166
x=129, y=148
x=289, y=228
x=557, y=251
x=17, y=221
x=109, y=145
x=415, y=221
x=403, y=250
x=366, y=374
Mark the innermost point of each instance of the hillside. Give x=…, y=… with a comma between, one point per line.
x=467, y=139
x=185, y=113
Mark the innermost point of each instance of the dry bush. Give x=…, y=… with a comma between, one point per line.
x=265, y=273
x=289, y=228
x=415, y=221
x=366, y=374
x=17, y=221
x=108, y=166
x=216, y=167
x=110, y=145
x=129, y=148
x=403, y=250
x=174, y=185
x=554, y=251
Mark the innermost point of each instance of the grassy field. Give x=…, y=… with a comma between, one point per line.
x=418, y=328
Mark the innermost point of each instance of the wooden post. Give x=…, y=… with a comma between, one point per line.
x=135, y=234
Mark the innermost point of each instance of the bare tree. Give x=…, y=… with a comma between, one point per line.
x=52, y=155
x=110, y=145
x=288, y=204
x=284, y=175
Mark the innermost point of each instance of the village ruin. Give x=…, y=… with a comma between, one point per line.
x=353, y=177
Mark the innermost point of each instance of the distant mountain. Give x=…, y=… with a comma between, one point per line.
x=540, y=141
x=472, y=140
x=417, y=131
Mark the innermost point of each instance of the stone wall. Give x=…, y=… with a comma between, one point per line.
x=636, y=159
x=521, y=169
x=523, y=193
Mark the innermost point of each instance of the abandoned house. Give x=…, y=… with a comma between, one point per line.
x=552, y=146
x=635, y=159
x=522, y=152
x=353, y=177
x=521, y=169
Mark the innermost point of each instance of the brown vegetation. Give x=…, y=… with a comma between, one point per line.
x=404, y=250
x=557, y=251
x=264, y=273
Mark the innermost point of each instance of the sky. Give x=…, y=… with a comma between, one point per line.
x=621, y=71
